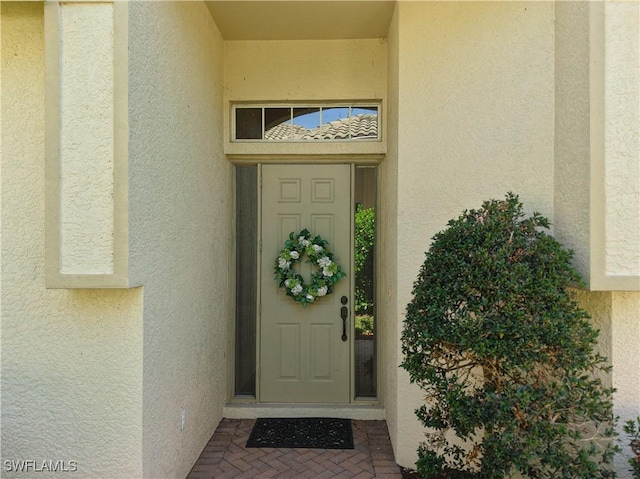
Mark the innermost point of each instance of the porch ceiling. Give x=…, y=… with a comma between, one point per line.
x=301, y=19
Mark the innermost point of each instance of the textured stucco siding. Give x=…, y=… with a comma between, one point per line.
x=572, y=154
x=599, y=306
x=597, y=178
x=387, y=274
x=86, y=139
x=597, y=124
x=179, y=226
x=622, y=138
x=304, y=70
x=625, y=355
x=483, y=98
x=71, y=360
x=479, y=77
x=615, y=315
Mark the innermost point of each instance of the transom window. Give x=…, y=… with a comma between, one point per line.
x=306, y=123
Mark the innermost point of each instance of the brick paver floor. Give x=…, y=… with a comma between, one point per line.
x=225, y=456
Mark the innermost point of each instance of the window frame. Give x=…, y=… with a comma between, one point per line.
x=351, y=105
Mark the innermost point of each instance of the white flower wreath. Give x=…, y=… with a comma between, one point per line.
x=322, y=281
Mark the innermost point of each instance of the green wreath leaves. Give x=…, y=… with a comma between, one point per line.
x=315, y=249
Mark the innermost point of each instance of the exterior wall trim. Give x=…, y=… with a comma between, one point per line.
x=269, y=158
x=599, y=279
x=118, y=276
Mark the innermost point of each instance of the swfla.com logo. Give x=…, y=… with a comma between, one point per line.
x=32, y=465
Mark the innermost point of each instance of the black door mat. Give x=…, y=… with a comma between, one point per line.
x=308, y=432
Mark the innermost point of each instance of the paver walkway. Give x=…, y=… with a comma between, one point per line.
x=226, y=456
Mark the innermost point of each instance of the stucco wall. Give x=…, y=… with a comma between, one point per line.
x=615, y=315
x=599, y=306
x=479, y=77
x=597, y=146
x=597, y=179
x=305, y=70
x=622, y=139
x=86, y=139
x=572, y=175
x=625, y=338
x=387, y=273
x=71, y=360
x=179, y=226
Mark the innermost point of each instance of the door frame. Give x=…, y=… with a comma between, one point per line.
x=362, y=161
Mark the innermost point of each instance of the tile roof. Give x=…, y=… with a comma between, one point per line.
x=362, y=126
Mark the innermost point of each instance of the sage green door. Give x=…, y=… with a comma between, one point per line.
x=303, y=355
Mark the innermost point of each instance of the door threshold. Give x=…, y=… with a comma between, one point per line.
x=366, y=412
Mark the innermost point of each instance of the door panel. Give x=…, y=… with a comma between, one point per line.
x=321, y=352
x=302, y=355
x=289, y=349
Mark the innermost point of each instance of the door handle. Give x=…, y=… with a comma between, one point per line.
x=344, y=313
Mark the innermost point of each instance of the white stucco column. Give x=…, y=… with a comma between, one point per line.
x=86, y=144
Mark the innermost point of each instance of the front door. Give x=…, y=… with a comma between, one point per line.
x=303, y=354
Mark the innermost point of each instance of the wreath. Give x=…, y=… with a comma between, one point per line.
x=322, y=281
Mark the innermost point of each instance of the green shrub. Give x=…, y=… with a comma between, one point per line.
x=505, y=355
x=632, y=428
x=365, y=232
x=364, y=324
